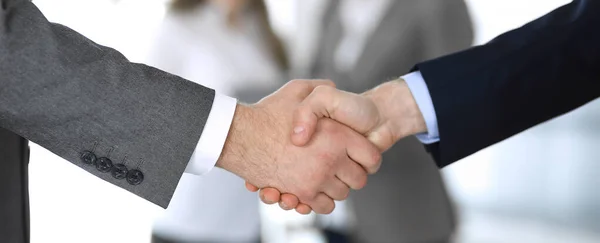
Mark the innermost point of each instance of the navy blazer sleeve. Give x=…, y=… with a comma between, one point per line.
x=521, y=78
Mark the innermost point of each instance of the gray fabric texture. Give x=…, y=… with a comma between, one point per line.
x=406, y=201
x=68, y=94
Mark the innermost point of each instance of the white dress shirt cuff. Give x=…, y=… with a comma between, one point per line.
x=418, y=88
x=213, y=136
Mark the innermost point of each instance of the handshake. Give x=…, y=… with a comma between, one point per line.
x=308, y=143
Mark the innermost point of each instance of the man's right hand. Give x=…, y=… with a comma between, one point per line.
x=259, y=150
x=384, y=115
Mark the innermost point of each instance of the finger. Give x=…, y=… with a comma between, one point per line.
x=336, y=189
x=322, y=204
x=288, y=201
x=269, y=195
x=284, y=207
x=303, y=209
x=251, y=187
x=353, y=175
x=352, y=110
x=363, y=152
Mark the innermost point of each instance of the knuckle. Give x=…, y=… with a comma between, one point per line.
x=326, y=156
x=306, y=194
x=323, y=90
x=329, y=82
x=296, y=83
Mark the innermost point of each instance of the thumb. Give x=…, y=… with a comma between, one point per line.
x=317, y=104
x=352, y=110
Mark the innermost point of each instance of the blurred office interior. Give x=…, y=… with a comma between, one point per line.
x=538, y=186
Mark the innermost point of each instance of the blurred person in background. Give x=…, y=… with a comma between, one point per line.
x=230, y=46
x=364, y=43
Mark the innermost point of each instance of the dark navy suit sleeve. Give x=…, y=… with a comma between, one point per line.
x=522, y=78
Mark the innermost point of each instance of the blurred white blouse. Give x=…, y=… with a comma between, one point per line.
x=199, y=45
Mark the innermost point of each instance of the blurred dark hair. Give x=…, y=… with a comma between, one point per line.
x=273, y=42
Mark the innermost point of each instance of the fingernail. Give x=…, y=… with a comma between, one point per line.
x=283, y=205
x=298, y=130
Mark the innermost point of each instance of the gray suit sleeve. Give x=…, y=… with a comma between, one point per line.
x=71, y=95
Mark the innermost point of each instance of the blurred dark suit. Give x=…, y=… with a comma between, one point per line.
x=14, y=208
x=406, y=201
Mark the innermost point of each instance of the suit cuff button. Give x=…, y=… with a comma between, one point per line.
x=119, y=171
x=104, y=165
x=135, y=177
x=88, y=157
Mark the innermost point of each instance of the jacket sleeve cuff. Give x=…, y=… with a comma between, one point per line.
x=213, y=136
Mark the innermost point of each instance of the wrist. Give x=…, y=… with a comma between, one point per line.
x=234, y=148
x=245, y=152
x=398, y=109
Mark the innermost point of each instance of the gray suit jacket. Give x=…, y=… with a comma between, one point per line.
x=71, y=95
x=406, y=200
x=14, y=190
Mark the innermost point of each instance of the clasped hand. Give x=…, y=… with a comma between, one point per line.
x=311, y=143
